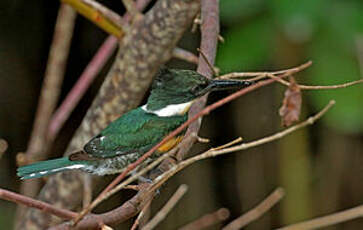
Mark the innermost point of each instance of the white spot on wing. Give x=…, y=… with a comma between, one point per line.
x=169, y=110
x=78, y=166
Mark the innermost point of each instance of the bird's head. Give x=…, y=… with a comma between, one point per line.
x=173, y=90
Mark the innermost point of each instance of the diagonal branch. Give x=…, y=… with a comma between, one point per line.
x=103, y=17
x=256, y=212
x=208, y=220
x=316, y=87
x=30, y=202
x=166, y=208
x=328, y=220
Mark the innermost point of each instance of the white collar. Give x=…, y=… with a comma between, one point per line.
x=170, y=110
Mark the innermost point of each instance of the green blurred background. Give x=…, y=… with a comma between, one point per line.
x=320, y=167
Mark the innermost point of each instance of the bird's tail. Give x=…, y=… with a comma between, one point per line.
x=44, y=168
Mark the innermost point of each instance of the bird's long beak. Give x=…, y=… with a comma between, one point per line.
x=217, y=85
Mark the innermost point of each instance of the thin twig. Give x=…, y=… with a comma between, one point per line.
x=111, y=15
x=81, y=86
x=256, y=212
x=104, y=18
x=132, y=187
x=316, y=87
x=211, y=67
x=164, y=211
x=141, y=215
x=87, y=190
x=185, y=55
x=254, y=74
x=30, y=202
x=327, y=220
x=238, y=140
x=208, y=220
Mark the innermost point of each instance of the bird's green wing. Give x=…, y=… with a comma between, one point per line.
x=136, y=131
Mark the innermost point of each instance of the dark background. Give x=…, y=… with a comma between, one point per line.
x=320, y=167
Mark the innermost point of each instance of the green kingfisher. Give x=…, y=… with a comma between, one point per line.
x=127, y=138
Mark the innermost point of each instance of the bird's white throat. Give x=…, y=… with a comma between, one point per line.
x=170, y=110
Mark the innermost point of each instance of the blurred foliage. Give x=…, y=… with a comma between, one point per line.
x=326, y=30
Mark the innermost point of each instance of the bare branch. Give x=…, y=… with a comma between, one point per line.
x=141, y=215
x=256, y=212
x=211, y=67
x=185, y=55
x=328, y=220
x=164, y=211
x=316, y=87
x=103, y=17
x=259, y=74
x=208, y=220
x=30, y=202
x=112, y=16
x=87, y=190
x=80, y=88
x=122, y=213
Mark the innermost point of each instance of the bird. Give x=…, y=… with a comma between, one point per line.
x=127, y=138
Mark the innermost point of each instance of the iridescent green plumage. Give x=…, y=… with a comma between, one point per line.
x=136, y=131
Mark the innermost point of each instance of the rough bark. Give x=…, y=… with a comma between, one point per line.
x=148, y=44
